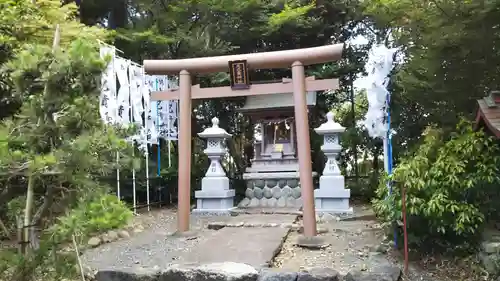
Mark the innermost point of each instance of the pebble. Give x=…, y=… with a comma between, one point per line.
x=123, y=234
x=94, y=242
x=113, y=235
x=105, y=238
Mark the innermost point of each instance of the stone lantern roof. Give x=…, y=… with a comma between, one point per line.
x=330, y=126
x=215, y=131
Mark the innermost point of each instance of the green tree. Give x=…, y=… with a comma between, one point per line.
x=185, y=28
x=450, y=60
x=33, y=22
x=55, y=151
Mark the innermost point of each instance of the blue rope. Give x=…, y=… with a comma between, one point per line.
x=389, y=158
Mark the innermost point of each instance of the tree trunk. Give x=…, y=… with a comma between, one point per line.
x=4, y=229
x=118, y=15
x=27, y=212
x=47, y=203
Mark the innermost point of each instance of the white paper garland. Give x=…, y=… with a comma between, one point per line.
x=379, y=65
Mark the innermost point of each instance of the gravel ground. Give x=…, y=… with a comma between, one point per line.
x=151, y=248
x=350, y=245
x=357, y=243
x=360, y=243
x=253, y=239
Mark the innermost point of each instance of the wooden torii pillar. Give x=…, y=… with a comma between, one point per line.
x=296, y=59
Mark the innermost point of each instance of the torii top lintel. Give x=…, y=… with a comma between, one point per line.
x=266, y=60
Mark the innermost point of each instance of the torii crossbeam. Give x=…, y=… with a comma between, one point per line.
x=285, y=86
x=299, y=85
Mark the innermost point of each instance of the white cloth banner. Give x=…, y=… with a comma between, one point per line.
x=148, y=87
x=162, y=107
x=173, y=113
x=172, y=120
x=107, y=99
x=123, y=97
x=136, y=85
x=151, y=116
x=129, y=100
x=167, y=110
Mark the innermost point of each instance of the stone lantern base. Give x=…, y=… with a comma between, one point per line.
x=215, y=197
x=331, y=197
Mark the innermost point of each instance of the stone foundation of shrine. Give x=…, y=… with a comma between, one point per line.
x=269, y=190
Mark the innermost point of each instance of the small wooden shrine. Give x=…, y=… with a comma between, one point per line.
x=273, y=178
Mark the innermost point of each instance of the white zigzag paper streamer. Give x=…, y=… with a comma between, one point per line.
x=380, y=64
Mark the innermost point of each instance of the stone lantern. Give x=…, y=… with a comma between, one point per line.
x=331, y=197
x=215, y=195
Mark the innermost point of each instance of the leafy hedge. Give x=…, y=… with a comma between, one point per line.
x=451, y=185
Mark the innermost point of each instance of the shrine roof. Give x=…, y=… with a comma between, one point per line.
x=272, y=101
x=489, y=113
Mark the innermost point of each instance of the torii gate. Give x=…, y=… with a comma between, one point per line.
x=296, y=59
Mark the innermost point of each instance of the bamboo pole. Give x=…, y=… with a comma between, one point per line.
x=79, y=261
x=27, y=213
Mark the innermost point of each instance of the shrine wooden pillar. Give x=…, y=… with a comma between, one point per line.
x=184, y=193
x=304, y=148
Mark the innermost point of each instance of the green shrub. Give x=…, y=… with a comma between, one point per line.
x=450, y=187
x=99, y=214
x=95, y=213
x=364, y=187
x=107, y=213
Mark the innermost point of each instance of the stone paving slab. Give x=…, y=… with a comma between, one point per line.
x=258, y=210
x=257, y=219
x=254, y=246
